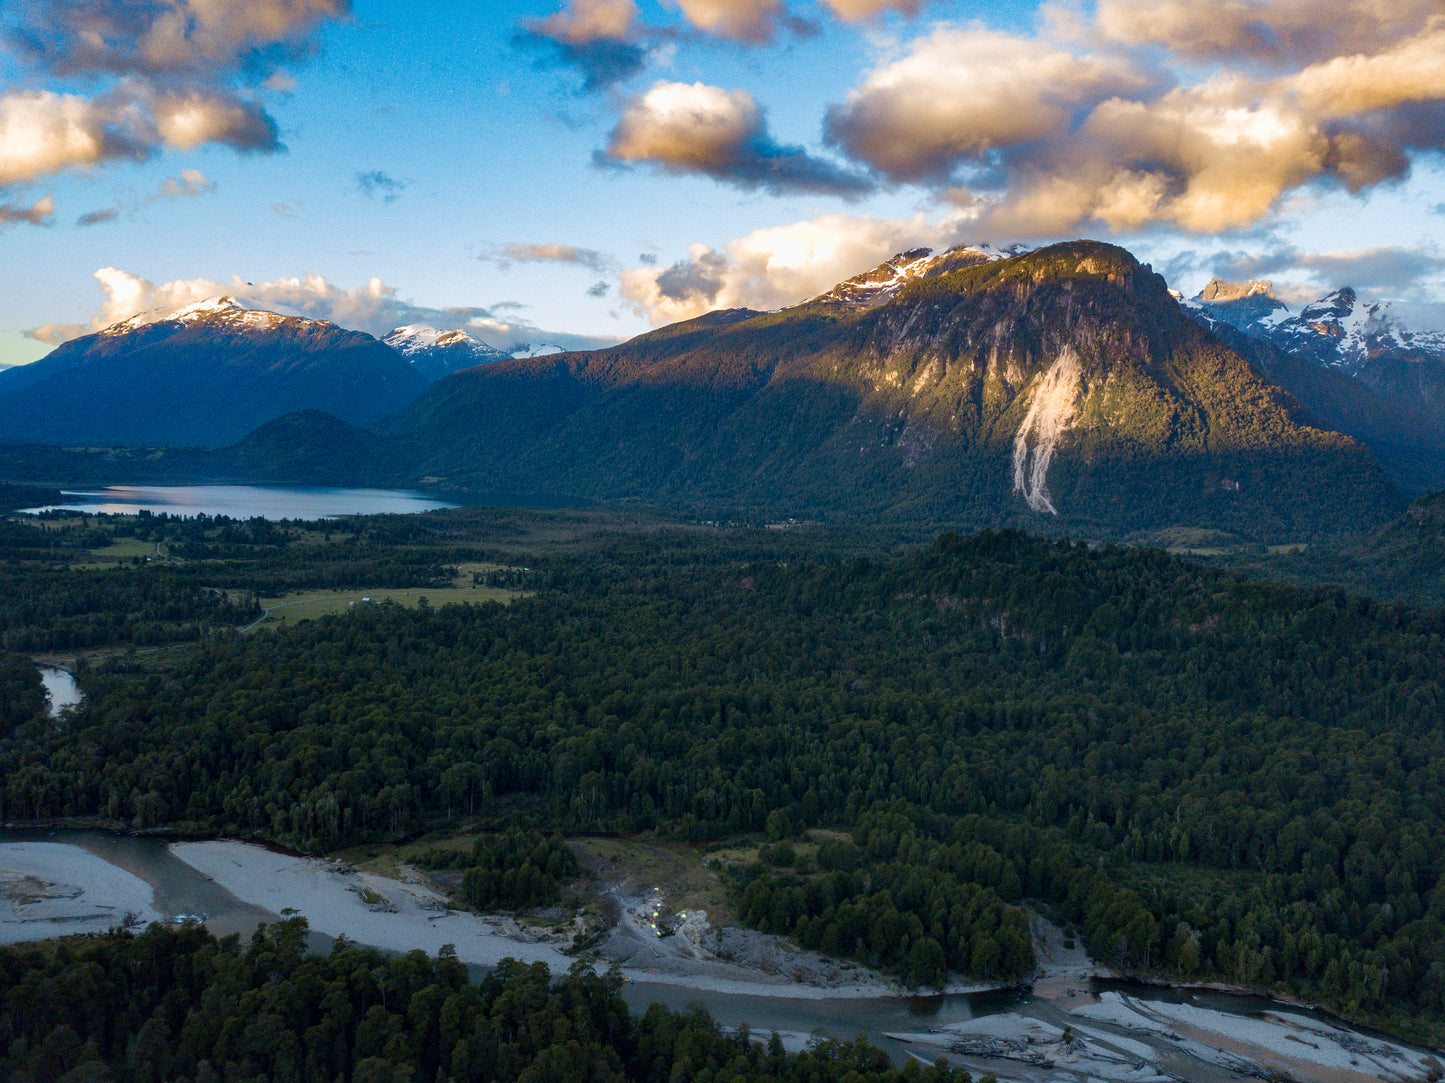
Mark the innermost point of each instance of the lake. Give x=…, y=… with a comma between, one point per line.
x=246, y=501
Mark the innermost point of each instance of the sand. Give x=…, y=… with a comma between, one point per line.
x=50, y=889
x=1303, y=1047
x=403, y=916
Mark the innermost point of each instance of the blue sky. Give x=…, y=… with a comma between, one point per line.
x=577, y=172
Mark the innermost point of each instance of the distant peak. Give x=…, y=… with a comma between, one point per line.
x=1219, y=290
x=212, y=307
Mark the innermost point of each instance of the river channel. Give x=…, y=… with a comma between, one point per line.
x=1108, y=1040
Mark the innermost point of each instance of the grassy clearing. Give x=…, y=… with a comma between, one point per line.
x=640, y=865
x=308, y=605
x=466, y=570
x=386, y=859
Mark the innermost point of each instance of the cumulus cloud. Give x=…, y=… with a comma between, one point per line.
x=552, y=253
x=775, y=267
x=854, y=10
x=694, y=128
x=373, y=307
x=42, y=132
x=742, y=20
x=1032, y=139
x=164, y=37
x=599, y=38
x=960, y=94
x=36, y=214
x=599, y=289
x=172, y=74
x=605, y=41
x=1267, y=33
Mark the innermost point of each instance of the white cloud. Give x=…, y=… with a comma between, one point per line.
x=960, y=94
x=776, y=267
x=696, y=128
x=42, y=132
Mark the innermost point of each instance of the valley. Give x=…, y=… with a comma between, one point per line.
x=986, y=622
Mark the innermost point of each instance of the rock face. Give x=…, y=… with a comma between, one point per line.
x=1365, y=372
x=1061, y=388
x=202, y=377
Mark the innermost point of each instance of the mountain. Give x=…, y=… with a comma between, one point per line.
x=1354, y=366
x=1059, y=389
x=202, y=377
x=437, y=354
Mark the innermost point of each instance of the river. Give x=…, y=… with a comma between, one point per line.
x=60, y=689
x=1194, y=1034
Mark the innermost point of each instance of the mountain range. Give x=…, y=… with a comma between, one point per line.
x=211, y=373
x=1062, y=389
x=1354, y=366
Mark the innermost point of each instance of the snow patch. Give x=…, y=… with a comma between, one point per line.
x=1054, y=403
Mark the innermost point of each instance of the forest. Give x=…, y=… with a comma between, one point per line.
x=1210, y=777
x=179, y=1004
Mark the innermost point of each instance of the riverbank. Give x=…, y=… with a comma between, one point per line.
x=53, y=889
x=398, y=915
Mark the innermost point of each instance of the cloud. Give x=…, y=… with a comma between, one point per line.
x=376, y=181
x=606, y=43
x=170, y=74
x=854, y=10
x=1285, y=31
x=961, y=94
x=1030, y=139
x=42, y=132
x=754, y=21
x=100, y=217
x=599, y=289
x=37, y=214
x=167, y=37
x=552, y=253
x=778, y=266
x=596, y=37
x=187, y=184
x=373, y=307
x=1410, y=276
x=694, y=128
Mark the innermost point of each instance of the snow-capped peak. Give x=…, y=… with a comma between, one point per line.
x=226, y=309
x=533, y=349
x=883, y=282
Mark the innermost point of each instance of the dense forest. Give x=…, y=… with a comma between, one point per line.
x=179, y=1004
x=1209, y=777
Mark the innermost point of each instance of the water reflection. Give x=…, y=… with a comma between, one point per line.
x=60, y=689
x=246, y=501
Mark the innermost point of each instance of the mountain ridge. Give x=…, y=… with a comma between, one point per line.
x=205, y=376
x=1018, y=389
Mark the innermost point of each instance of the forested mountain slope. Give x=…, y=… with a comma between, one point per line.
x=1059, y=389
x=1211, y=778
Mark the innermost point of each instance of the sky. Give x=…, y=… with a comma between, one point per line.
x=574, y=172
